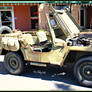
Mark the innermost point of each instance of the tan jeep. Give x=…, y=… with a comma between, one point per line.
x=63, y=45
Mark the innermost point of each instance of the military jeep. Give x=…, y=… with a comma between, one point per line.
x=63, y=44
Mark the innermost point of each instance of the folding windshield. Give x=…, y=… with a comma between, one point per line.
x=53, y=37
x=57, y=30
x=66, y=22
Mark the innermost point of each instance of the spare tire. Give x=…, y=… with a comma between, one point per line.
x=5, y=29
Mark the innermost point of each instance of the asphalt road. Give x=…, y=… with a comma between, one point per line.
x=40, y=79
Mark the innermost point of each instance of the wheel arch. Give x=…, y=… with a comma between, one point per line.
x=4, y=52
x=74, y=56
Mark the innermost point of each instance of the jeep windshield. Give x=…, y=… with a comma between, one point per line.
x=64, y=22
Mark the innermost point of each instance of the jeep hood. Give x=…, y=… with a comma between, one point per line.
x=66, y=23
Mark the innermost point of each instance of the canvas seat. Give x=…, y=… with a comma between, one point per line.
x=42, y=38
x=28, y=40
x=43, y=42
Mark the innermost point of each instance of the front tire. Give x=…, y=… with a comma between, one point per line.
x=13, y=63
x=83, y=71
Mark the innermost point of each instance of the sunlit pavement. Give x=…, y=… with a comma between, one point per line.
x=39, y=79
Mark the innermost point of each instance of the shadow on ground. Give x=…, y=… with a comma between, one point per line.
x=2, y=69
x=50, y=73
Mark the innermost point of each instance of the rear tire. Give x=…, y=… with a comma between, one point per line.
x=83, y=71
x=13, y=63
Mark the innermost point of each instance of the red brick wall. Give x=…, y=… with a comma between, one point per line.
x=22, y=14
x=75, y=11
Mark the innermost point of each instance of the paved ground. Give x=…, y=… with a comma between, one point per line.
x=40, y=78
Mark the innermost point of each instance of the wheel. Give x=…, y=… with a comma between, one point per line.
x=13, y=63
x=83, y=71
x=5, y=29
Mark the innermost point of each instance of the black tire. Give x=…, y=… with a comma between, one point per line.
x=83, y=71
x=5, y=29
x=13, y=63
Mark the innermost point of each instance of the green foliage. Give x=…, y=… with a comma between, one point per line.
x=41, y=30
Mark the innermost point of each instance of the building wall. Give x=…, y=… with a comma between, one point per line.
x=75, y=12
x=89, y=16
x=22, y=17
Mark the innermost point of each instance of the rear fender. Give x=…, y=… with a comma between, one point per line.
x=10, y=43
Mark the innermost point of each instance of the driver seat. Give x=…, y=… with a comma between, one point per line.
x=43, y=42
